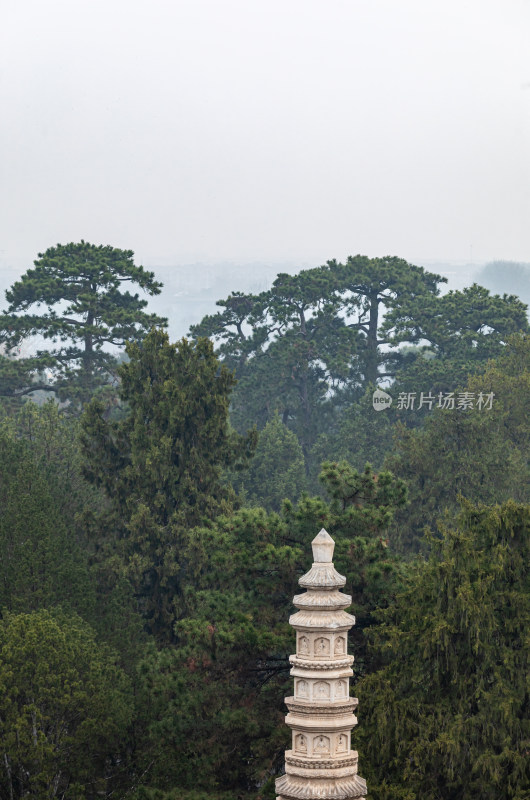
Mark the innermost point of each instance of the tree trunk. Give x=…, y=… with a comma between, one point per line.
x=9, y=777
x=88, y=356
x=372, y=353
x=304, y=397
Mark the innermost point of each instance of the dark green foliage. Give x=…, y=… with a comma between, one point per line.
x=313, y=341
x=380, y=293
x=41, y=563
x=277, y=470
x=170, y=450
x=181, y=794
x=360, y=435
x=358, y=517
x=161, y=467
x=159, y=530
x=470, y=323
x=464, y=329
x=45, y=557
x=311, y=346
x=64, y=708
x=483, y=455
x=217, y=697
x=52, y=437
x=86, y=310
x=220, y=691
x=23, y=376
x=448, y=714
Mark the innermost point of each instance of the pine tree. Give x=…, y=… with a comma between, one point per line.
x=277, y=470
x=41, y=563
x=65, y=708
x=221, y=690
x=448, y=713
x=162, y=466
x=315, y=340
x=80, y=287
x=359, y=435
x=313, y=344
x=464, y=329
x=482, y=454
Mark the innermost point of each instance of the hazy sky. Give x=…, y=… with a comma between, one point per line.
x=266, y=130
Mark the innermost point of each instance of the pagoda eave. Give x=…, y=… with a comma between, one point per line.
x=306, y=664
x=295, y=787
x=330, y=620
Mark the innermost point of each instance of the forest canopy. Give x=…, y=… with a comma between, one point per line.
x=157, y=509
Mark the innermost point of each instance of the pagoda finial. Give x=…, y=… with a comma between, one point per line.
x=323, y=547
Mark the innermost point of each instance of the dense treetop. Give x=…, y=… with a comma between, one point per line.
x=84, y=307
x=447, y=714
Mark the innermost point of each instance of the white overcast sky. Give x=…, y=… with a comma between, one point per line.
x=266, y=129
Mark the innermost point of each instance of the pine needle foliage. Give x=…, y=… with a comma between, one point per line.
x=74, y=296
x=161, y=466
x=447, y=716
x=64, y=706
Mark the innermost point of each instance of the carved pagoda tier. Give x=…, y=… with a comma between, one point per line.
x=321, y=763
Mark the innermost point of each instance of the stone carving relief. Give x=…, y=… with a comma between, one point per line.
x=340, y=689
x=321, y=646
x=321, y=690
x=340, y=648
x=303, y=646
x=321, y=745
x=302, y=689
x=342, y=743
x=300, y=743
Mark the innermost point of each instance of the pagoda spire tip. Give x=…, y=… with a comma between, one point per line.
x=323, y=547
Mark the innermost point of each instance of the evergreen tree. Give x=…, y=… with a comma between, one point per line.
x=41, y=563
x=313, y=344
x=277, y=470
x=46, y=559
x=20, y=377
x=482, y=454
x=359, y=435
x=161, y=467
x=80, y=287
x=52, y=438
x=315, y=340
x=447, y=715
x=65, y=708
x=358, y=515
x=464, y=329
x=378, y=293
x=221, y=691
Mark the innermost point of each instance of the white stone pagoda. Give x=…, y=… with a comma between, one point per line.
x=321, y=763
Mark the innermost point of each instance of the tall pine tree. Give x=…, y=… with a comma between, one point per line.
x=78, y=286
x=162, y=466
x=447, y=715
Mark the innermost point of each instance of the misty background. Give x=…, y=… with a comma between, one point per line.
x=225, y=142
